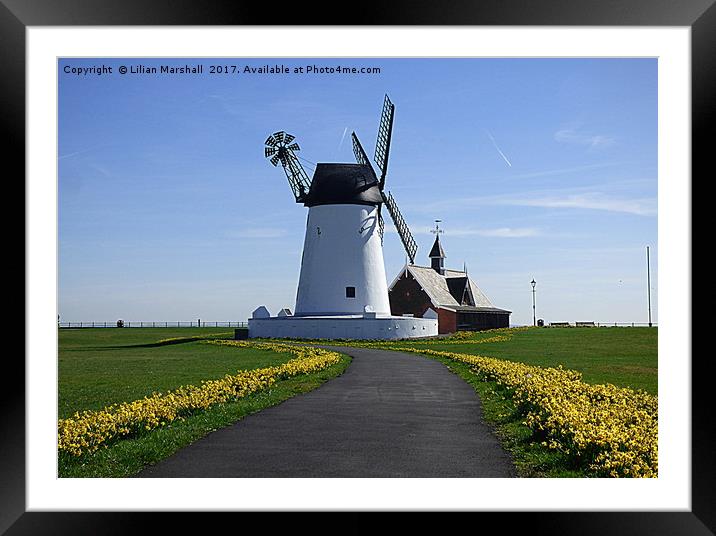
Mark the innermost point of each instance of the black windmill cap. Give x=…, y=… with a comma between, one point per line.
x=343, y=184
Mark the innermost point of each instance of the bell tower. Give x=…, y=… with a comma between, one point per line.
x=437, y=255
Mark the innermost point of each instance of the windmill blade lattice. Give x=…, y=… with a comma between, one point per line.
x=406, y=237
x=382, y=143
x=280, y=149
x=359, y=153
x=382, y=152
x=381, y=224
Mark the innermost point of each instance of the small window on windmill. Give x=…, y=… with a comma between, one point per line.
x=350, y=292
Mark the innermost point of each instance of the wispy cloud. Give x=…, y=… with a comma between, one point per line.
x=237, y=106
x=498, y=232
x=562, y=171
x=502, y=232
x=557, y=199
x=258, y=232
x=70, y=155
x=101, y=170
x=306, y=109
x=576, y=135
x=75, y=153
x=591, y=201
x=492, y=139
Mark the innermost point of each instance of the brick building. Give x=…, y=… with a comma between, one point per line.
x=451, y=296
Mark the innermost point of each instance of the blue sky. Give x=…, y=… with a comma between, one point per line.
x=538, y=168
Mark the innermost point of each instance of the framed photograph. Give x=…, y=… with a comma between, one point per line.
x=62, y=58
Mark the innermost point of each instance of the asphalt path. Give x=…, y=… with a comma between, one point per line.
x=390, y=414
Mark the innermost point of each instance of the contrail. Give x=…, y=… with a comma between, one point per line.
x=70, y=155
x=342, y=138
x=498, y=149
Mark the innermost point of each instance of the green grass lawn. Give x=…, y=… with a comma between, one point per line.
x=98, y=367
x=626, y=357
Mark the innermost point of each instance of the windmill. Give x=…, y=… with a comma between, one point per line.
x=280, y=149
x=342, y=269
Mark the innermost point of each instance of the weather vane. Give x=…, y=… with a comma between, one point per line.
x=437, y=229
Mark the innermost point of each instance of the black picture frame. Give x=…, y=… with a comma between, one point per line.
x=699, y=15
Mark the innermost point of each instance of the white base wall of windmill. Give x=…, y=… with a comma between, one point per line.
x=342, y=251
x=345, y=327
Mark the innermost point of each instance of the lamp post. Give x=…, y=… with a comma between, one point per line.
x=648, y=282
x=534, y=309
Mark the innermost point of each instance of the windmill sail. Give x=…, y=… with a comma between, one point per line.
x=382, y=152
x=358, y=151
x=382, y=144
x=403, y=231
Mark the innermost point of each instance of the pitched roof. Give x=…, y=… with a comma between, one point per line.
x=433, y=284
x=438, y=290
x=456, y=286
x=478, y=297
x=437, y=250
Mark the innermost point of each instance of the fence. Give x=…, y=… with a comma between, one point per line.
x=127, y=324
x=203, y=324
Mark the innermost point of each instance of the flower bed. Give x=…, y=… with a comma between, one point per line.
x=87, y=431
x=192, y=338
x=612, y=431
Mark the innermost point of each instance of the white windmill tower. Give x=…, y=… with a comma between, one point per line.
x=342, y=284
